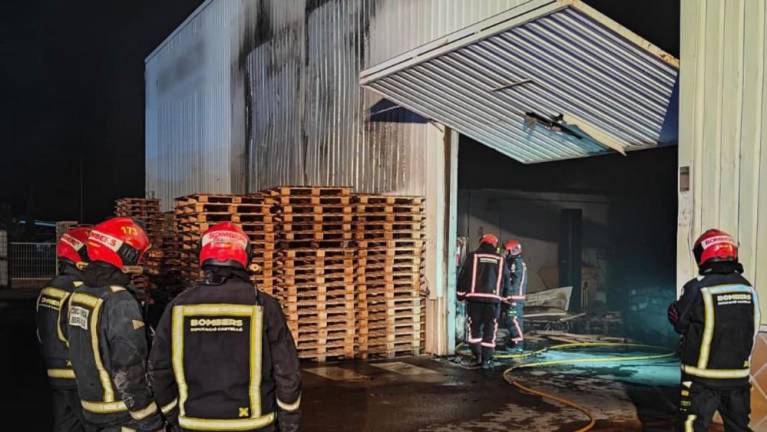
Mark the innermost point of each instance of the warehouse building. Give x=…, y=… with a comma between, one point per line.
x=545, y=120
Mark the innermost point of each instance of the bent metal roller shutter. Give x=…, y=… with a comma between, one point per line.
x=547, y=80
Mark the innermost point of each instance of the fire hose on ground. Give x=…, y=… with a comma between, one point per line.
x=507, y=374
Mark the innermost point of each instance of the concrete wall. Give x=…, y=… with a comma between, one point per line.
x=723, y=141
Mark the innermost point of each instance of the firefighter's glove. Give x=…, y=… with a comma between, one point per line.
x=673, y=313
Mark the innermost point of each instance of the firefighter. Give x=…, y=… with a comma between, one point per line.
x=107, y=336
x=51, y=314
x=718, y=317
x=222, y=357
x=483, y=283
x=516, y=301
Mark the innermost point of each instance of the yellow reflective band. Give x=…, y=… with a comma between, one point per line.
x=60, y=332
x=85, y=299
x=177, y=351
x=226, y=425
x=688, y=424
x=256, y=329
x=144, y=413
x=104, y=407
x=61, y=373
x=685, y=393
x=55, y=293
x=125, y=429
x=289, y=407
x=169, y=407
x=255, y=313
x=218, y=309
x=708, y=329
x=106, y=381
x=716, y=373
x=77, y=284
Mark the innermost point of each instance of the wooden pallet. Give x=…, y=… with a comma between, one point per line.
x=218, y=198
x=309, y=190
x=375, y=235
x=315, y=210
x=313, y=218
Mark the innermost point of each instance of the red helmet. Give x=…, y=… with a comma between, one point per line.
x=119, y=241
x=715, y=245
x=513, y=246
x=225, y=244
x=489, y=239
x=71, y=245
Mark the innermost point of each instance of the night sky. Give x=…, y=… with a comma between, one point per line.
x=72, y=94
x=72, y=81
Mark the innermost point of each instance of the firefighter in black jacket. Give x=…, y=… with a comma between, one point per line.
x=718, y=317
x=107, y=336
x=222, y=358
x=50, y=316
x=484, y=283
x=516, y=310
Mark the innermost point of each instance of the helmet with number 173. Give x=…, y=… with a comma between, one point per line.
x=119, y=241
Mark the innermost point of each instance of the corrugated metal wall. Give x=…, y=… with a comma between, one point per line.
x=312, y=123
x=723, y=140
x=723, y=136
x=195, y=87
x=310, y=120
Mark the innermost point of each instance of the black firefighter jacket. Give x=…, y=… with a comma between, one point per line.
x=484, y=277
x=223, y=359
x=50, y=317
x=718, y=316
x=108, y=349
x=518, y=272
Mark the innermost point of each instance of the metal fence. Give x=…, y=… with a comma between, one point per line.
x=32, y=262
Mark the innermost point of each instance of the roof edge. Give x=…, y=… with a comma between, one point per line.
x=178, y=28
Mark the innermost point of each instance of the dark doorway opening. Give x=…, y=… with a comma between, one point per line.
x=607, y=224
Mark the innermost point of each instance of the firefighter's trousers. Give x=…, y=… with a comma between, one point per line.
x=67, y=413
x=482, y=323
x=699, y=403
x=516, y=323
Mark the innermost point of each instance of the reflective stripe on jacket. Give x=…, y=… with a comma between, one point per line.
x=719, y=319
x=484, y=277
x=518, y=271
x=223, y=359
x=50, y=316
x=108, y=349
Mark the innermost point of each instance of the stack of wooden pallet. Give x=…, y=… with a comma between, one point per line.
x=314, y=274
x=390, y=238
x=168, y=278
x=146, y=211
x=195, y=214
x=254, y=214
